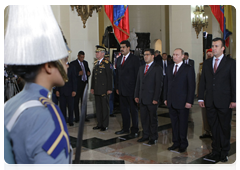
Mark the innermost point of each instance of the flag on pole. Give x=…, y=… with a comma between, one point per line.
x=119, y=17
x=223, y=14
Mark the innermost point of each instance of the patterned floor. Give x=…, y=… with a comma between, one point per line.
x=107, y=148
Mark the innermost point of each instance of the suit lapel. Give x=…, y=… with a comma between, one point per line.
x=149, y=69
x=180, y=69
x=221, y=64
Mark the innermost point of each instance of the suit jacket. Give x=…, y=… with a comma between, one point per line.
x=220, y=87
x=71, y=85
x=190, y=62
x=102, y=77
x=149, y=86
x=79, y=68
x=179, y=89
x=168, y=63
x=158, y=59
x=126, y=75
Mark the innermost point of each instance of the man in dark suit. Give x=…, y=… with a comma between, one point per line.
x=82, y=74
x=101, y=88
x=179, y=96
x=217, y=92
x=187, y=60
x=164, y=64
x=67, y=93
x=157, y=57
x=126, y=76
x=147, y=93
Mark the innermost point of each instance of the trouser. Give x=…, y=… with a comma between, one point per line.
x=220, y=124
x=102, y=110
x=179, y=120
x=129, y=106
x=79, y=95
x=149, y=121
x=67, y=101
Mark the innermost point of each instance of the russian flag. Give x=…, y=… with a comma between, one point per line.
x=223, y=14
x=119, y=17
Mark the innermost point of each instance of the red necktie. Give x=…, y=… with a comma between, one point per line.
x=175, y=71
x=123, y=61
x=215, y=65
x=146, y=69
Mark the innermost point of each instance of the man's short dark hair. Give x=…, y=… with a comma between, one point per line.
x=219, y=39
x=81, y=53
x=126, y=42
x=150, y=50
x=186, y=53
x=164, y=53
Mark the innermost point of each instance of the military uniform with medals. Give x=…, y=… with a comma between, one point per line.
x=101, y=83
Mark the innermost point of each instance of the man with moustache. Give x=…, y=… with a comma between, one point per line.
x=217, y=93
x=147, y=93
x=126, y=76
x=179, y=96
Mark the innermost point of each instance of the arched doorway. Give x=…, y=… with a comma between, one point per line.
x=158, y=45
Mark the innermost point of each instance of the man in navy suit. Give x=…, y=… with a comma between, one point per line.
x=147, y=93
x=82, y=74
x=126, y=76
x=179, y=96
x=66, y=94
x=217, y=93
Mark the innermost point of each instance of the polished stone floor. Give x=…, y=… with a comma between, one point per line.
x=107, y=148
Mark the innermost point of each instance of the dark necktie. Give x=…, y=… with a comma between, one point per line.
x=215, y=65
x=175, y=71
x=146, y=69
x=164, y=67
x=123, y=61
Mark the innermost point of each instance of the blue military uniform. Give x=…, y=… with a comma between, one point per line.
x=40, y=133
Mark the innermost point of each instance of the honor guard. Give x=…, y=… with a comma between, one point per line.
x=35, y=50
x=101, y=87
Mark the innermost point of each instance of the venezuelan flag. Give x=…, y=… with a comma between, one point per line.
x=223, y=14
x=119, y=17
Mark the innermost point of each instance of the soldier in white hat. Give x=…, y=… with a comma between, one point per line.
x=35, y=49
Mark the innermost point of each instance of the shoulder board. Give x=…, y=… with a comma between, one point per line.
x=59, y=139
x=106, y=61
x=95, y=61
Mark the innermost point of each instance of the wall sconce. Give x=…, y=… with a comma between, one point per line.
x=85, y=11
x=199, y=20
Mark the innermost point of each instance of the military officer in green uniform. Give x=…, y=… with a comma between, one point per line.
x=101, y=88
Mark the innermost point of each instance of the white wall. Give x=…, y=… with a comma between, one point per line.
x=78, y=38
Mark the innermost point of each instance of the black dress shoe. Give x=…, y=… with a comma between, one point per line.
x=103, y=128
x=205, y=136
x=112, y=115
x=121, y=132
x=76, y=121
x=181, y=150
x=224, y=159
x=212, y=157
x=152, y=142
x=173, y=147
x=142, y=139
x=96, y=128
x=71, y=124
x=87, y=120
x=133, y=135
